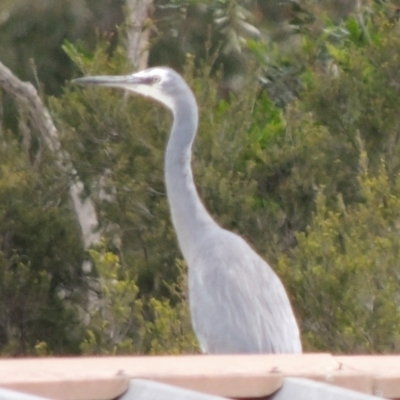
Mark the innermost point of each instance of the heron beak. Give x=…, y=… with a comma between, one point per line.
x=138, y=83
x=112, y=81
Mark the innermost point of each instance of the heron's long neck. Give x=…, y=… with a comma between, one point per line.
x=189, y=215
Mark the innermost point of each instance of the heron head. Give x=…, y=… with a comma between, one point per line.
x=160, y=83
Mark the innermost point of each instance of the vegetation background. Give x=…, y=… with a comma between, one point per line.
x=298, y=151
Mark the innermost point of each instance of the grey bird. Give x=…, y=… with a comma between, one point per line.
x=237, y=302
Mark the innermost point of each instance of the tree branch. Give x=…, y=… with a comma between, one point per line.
x=27, y=95
x=138, y=34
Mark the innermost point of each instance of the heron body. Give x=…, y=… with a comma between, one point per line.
x=237, y=302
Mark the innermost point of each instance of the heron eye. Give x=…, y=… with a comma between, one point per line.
x=155, y=79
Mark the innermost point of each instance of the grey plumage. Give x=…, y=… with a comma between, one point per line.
x=237, y=302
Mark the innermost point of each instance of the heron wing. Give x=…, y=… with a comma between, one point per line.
x=238, y=303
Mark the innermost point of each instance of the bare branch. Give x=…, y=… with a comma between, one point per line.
x=138, y=34
x=27, y=95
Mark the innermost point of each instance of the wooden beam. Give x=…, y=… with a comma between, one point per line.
x=242, y=376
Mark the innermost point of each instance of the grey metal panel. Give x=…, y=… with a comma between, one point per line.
x=141, y=389
x=6, y=394
x=306, y=389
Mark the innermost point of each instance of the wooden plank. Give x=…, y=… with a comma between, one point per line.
x=240, y=376
x=384, y=370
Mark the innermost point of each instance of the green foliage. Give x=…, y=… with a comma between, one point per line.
x=230, y=18
x=169, y=330
x=123, y=174
x=118, y=322
x=283, y=163
x=40, y=258
x=343, y=272
x=259, y=170
x=114, y=315
x=33, y=49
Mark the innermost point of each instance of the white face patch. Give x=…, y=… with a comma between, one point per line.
x=153, y=90
x=163, y=73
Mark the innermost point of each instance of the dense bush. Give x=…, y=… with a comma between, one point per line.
x=40, y=257
x=310, y=179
